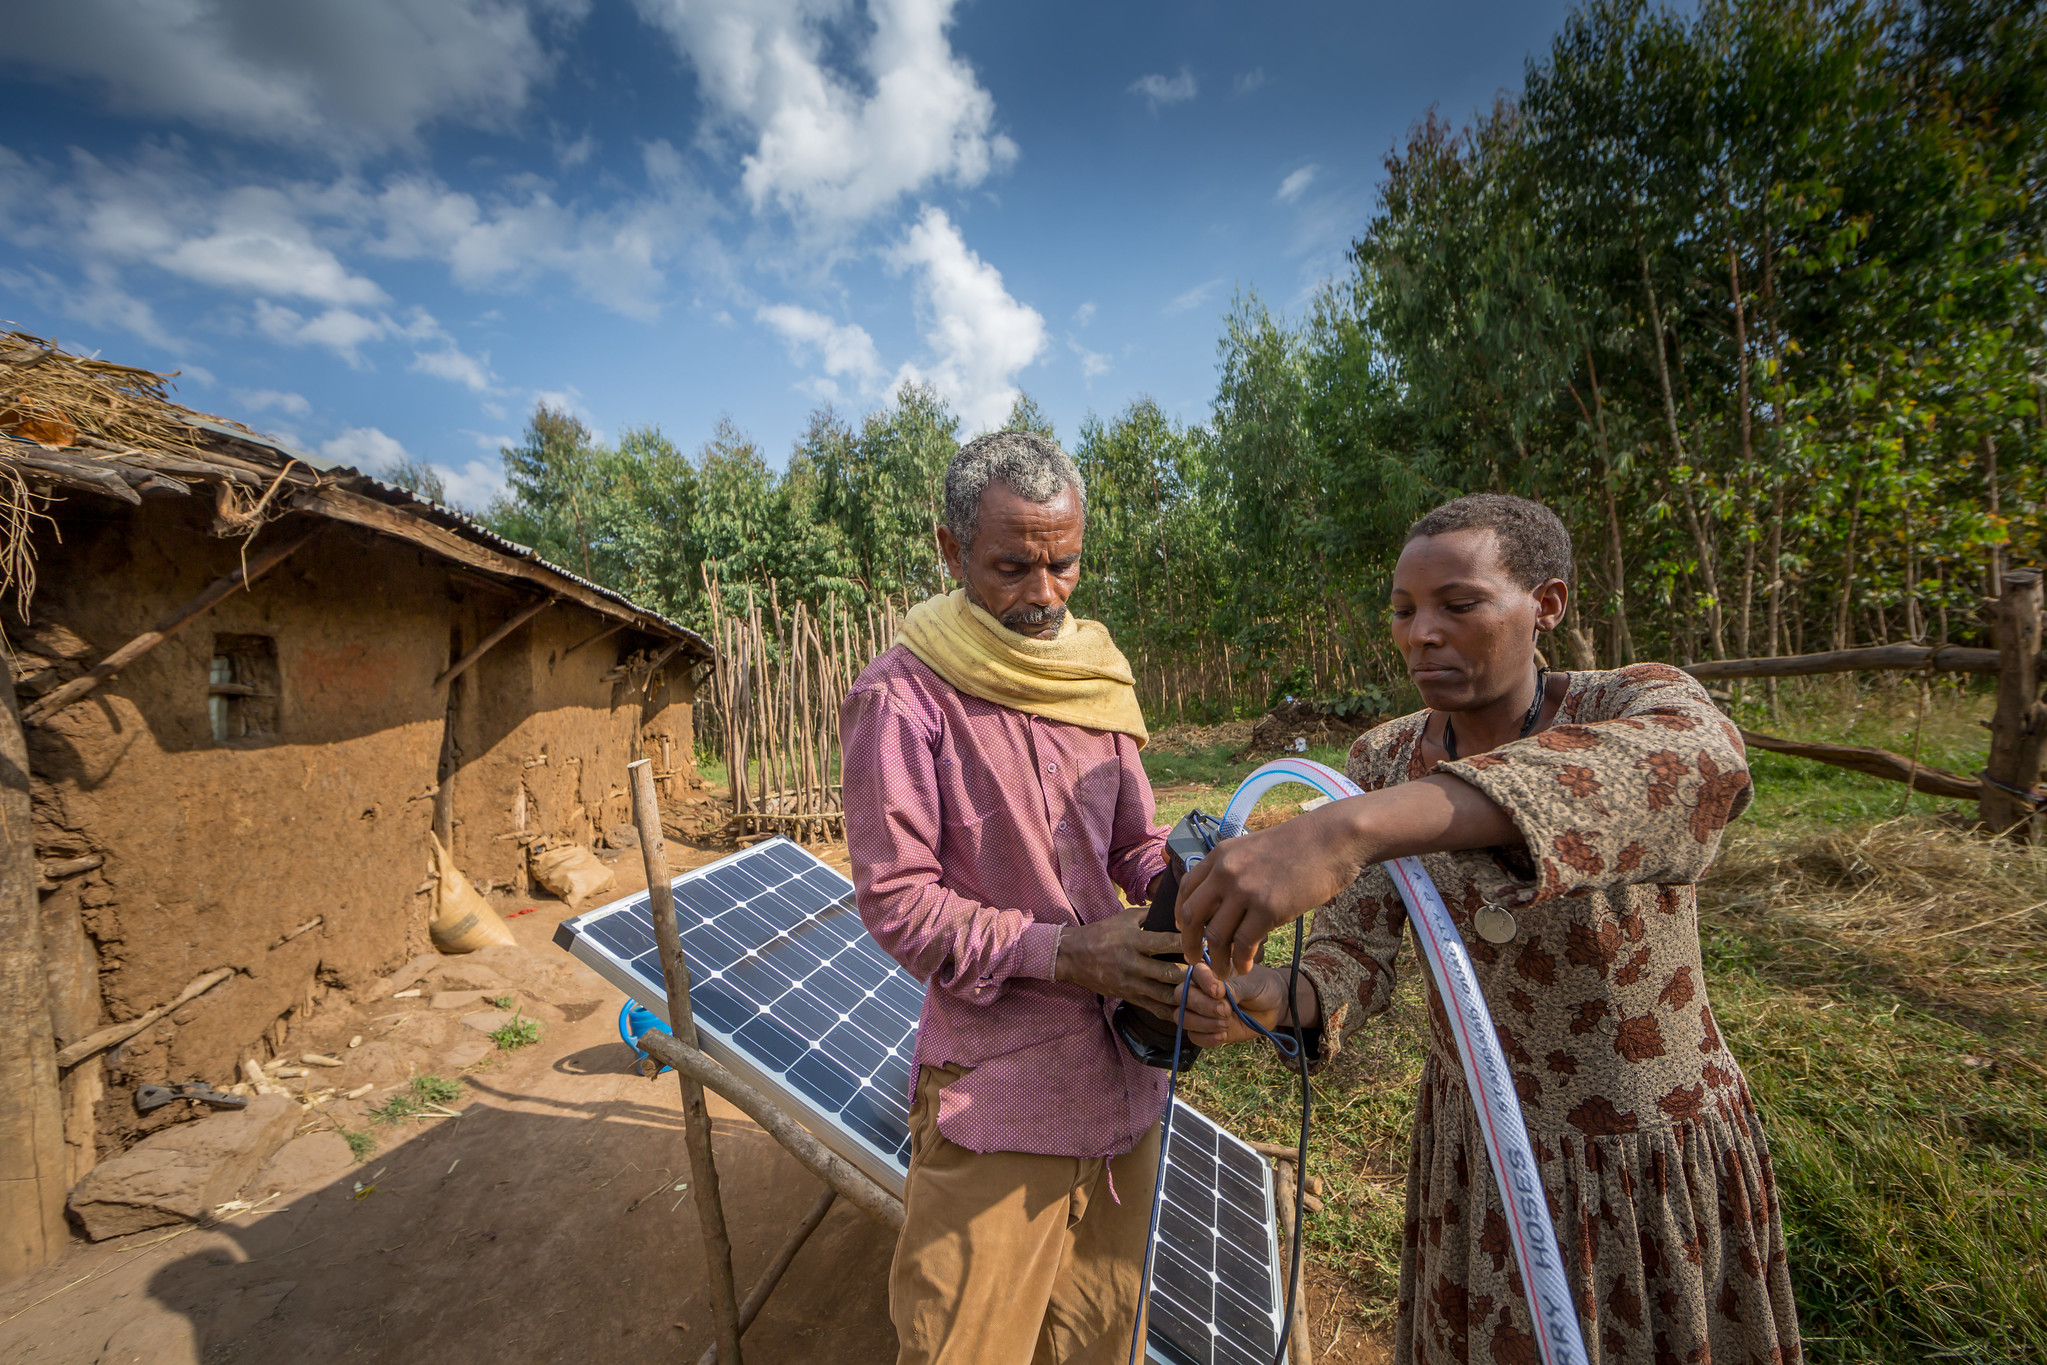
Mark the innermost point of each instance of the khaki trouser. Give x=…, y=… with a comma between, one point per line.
x=1012, y=1259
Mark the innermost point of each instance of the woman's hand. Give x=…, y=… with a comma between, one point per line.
x=1252, y=884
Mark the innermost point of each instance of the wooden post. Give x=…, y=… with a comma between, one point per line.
x=255, y=568
x=696, y=1118
x=519, y=618
x=757, y=1297
x=34, y=1168
x=2018, y=728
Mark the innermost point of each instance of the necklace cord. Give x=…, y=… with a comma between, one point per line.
x=1527, y=721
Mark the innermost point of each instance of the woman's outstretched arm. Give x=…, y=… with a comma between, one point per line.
x=1255, y=883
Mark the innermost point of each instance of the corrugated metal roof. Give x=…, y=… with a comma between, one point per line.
x=453, y=520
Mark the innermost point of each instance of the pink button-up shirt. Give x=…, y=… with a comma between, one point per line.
x=976, y=832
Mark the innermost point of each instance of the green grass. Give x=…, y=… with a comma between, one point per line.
x=515, y=1033
x=414, y=1100
x=361, y=1142
x=504, y=1002
x=1893, y=1038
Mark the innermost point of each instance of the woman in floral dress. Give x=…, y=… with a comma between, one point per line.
x=1566, y=820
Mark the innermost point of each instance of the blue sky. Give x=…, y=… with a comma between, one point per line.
x=389, y=227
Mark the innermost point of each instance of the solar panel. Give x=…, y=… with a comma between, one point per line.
x=791, y=995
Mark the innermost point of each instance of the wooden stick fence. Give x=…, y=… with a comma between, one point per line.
x=2007, y=791
x=780, y=677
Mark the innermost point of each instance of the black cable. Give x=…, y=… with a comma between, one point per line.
x=1293, y=985
x=1298, y=1054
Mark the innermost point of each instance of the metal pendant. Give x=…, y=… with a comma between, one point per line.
x=1494, y=924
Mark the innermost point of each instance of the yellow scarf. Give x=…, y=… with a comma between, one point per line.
x=1078, y=676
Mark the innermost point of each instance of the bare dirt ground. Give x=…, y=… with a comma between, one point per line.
x=548, y=1223
x=543, y=1225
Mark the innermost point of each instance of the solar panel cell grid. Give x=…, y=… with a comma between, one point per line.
x=790, y=992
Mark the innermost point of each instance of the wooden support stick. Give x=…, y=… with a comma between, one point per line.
x=490, y=641
x=757, y=1297
x=695, y=1117
x=1939, y=658
x=821, y=1161
x=1865, y=758
x=256, y=567
x=121, y=1033
x=1300, y=1342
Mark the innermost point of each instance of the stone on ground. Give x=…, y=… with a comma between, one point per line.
x=182, y=1173
x=303, y=1162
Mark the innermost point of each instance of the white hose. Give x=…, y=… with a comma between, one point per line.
x=1478, y=1048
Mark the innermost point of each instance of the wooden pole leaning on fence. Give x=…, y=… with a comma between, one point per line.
x=696, y=1119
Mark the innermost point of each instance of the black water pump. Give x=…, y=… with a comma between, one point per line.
x=1149, y=1037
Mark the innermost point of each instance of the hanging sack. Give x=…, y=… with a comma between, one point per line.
x=463, y=920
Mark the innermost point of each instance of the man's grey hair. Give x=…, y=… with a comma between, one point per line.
x=1033, y=466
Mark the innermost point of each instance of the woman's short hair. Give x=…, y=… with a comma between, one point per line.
x=1534, y=546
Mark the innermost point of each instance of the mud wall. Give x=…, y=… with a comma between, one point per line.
x=214, y=850
x=544, y=731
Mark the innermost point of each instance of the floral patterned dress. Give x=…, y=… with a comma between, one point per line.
x=1652, y=1152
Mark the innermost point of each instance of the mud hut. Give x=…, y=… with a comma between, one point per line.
x=248, y=683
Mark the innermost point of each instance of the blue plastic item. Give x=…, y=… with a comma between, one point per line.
x=635, y=1019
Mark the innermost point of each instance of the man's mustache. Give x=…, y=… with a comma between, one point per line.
x=1034, y=617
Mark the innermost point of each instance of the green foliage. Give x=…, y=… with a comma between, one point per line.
x=413, y=1101
x=361, y=1142
x=1754, y=296
x=515, y=1033
x=416, y=477
x=436, y=1089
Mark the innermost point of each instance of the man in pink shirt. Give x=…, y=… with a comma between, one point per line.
x=994, y=806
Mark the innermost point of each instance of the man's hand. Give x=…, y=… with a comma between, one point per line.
x=1262, y=994
x=1113, y=957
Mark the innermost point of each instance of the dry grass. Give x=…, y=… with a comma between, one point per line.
x=1945, y=914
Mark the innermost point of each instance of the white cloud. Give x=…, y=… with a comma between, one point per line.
x=1250, y=80
x=617, y=255
x=1160, y=90
x=1093, y=364
x=569, y=155
x=451, y=363
x=831, y=147
x=98, y=299
x=1084, y=314
x=352, y=77
x=265, y=400
x=345, y=331
x=364, y=448
x=981, y=336
x=476, y=482
x=1193, y=298
x=1291, y=188
x=842, y=348
x=257, y=245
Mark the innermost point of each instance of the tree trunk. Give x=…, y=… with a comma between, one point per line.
x=1748, y=453
x=1677, y=450
x=1993, y=568
x=1623, y=643
x=1844, y=618
x=34, y=1167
